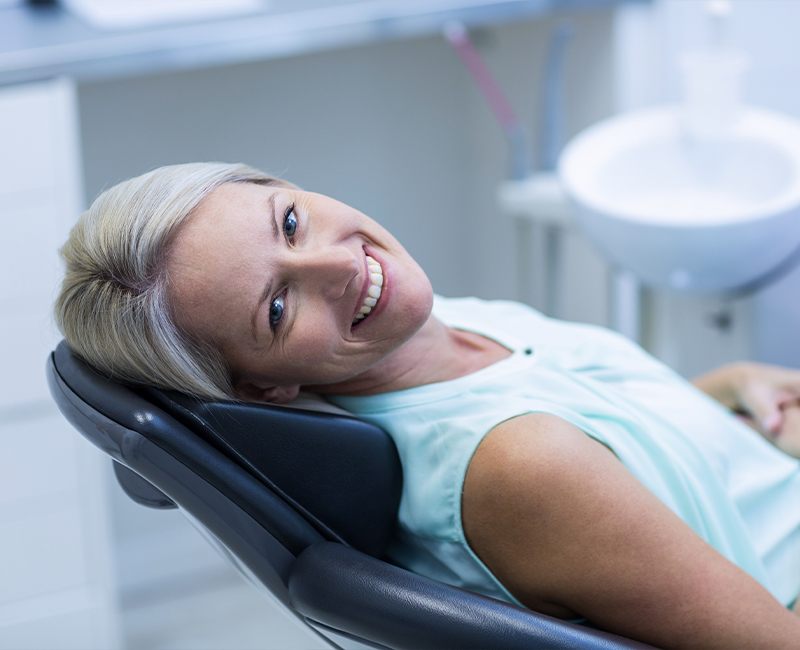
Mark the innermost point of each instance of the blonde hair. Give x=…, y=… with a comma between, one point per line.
x=113, y=308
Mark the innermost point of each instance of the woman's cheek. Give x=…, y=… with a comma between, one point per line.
x=313, y=344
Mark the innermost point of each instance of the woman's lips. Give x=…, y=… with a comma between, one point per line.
x=363, y=293
x=380, y=298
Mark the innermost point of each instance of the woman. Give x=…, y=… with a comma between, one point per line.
x=550, y=464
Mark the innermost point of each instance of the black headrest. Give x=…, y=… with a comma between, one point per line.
x=342, y=474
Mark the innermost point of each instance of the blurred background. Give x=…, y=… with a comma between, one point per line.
x=366, y=101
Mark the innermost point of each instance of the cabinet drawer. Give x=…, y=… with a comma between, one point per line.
x=42, y=554
x=32, y=233
x=38, y=458
x=27, y=336
x=31, y=119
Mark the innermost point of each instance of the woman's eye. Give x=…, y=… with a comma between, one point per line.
x=276, y=309
x=290, y=222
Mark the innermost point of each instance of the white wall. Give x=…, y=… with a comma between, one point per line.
x=396, y=129
x=516, y=54
x=381, y=128
x=767, y=29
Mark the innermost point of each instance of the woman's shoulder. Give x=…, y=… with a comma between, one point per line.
x=522, y=473
x=536, y=437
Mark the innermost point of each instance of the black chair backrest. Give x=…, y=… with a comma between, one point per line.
x=298, y=502
x=340, y=477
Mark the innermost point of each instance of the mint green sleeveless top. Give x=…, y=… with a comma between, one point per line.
x=734, y=489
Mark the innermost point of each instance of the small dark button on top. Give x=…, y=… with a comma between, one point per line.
x=528, y=350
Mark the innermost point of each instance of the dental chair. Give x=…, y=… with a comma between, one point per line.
x=303, y=504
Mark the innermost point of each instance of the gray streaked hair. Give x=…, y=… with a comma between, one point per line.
x=113, y=308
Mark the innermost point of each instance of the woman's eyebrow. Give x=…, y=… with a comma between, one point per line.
x=268, y=287
x=272, y=219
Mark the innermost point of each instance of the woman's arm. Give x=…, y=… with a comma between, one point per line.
x=568, y=529
x=767, y=396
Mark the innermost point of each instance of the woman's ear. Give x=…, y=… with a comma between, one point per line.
x=272, y=394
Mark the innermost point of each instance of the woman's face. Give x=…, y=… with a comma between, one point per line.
x=275, y=277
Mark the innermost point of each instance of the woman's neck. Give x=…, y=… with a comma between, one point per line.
x=435, y=353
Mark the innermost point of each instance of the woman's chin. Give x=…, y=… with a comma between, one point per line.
x=420, y=306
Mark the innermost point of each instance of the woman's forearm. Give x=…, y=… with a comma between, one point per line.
x=765, y=396
x=722, y=384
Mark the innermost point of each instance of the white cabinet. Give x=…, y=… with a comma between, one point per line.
x=56, y=581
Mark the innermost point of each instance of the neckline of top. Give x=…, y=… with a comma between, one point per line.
x=429, y=392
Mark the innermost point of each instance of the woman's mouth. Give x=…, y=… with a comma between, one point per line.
x=374, y=288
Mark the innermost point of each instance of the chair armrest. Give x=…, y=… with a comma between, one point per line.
x=372, y=599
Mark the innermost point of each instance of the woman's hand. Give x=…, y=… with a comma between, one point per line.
x=768, y=398
x=788, y=437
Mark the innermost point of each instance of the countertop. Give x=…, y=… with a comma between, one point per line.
x=44, y=42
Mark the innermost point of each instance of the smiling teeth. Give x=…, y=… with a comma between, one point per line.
x=374, y=290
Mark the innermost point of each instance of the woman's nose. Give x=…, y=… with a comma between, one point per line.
x=330, y=269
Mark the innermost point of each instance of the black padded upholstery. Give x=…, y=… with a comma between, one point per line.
x=321, y=464
x=343, y=474
x=302, y=503
x=330, y=582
